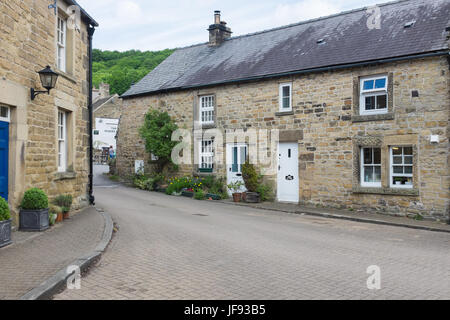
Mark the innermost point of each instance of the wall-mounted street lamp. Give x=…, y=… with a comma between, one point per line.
x=48, y=80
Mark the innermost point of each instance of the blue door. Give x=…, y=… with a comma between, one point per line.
x=4, y=148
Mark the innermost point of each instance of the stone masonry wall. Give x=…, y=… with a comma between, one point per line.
x=28, y=44
x=324, y=105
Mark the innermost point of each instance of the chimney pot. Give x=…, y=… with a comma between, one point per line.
x=217, y=17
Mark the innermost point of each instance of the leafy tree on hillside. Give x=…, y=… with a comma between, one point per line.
x=121, y=69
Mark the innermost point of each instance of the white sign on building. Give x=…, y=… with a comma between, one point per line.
x=105, y=133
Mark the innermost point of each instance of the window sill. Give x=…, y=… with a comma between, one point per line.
x=66, y=76
x=65, y=175
x=387, y=191
x=284, y=113
x=207, y=125
x=373, y=117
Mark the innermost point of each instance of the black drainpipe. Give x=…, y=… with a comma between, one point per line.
x=91, y=31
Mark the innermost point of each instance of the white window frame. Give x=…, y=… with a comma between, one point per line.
x=61, y=37
x=392, y=165
x=207, y=107
x=206, y=152
x=62, y=141
x=283, y=85
x=369, y=184
x=8, y=114
x=373, y=92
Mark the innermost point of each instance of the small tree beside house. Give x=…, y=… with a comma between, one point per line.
x=157, y=133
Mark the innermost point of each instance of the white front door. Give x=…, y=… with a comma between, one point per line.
x=236, y=156
x=288, y=180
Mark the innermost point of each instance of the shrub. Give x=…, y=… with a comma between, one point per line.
x=199, y=195
x=64, y=201
x=4, y=210
x=34, y=199
x=265, y=192
x=250, y=177
x=140, y=181
x=157, y=133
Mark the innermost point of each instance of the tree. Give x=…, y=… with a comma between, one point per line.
x=157, y=133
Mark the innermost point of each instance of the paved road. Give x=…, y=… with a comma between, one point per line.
x=177, y=248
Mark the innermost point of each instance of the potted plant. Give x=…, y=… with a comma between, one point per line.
x=65, y=202
x=57, y=212
x=251, y=182
x=52, y=216
x=235, y=187
x=5, y=224
x=33, y=215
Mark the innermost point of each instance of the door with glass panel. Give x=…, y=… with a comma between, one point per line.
x=236, y=157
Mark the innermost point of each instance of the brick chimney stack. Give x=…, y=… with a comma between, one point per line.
x=218, y=31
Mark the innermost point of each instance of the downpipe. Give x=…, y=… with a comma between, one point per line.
x=91, y=31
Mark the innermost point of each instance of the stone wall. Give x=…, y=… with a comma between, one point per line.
x=325, y=113
x=28, y=44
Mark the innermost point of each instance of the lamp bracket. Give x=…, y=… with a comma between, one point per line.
x=35, y=93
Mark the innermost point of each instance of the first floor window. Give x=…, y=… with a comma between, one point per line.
x=207, y=109
x=285, y=97
x=401, y=167
x=62, y=141
x=374, y=96
x=371, y=167
x=206, y=154
x=61, y=43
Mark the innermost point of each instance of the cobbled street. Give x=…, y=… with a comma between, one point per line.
x=177, y=248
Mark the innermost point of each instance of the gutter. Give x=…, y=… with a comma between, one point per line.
x=91, y=30
x=298, y=72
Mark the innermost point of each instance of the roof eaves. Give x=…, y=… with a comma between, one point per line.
x=84, y=13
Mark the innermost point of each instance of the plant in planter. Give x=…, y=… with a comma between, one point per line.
x=5, y=223
x=65, y=202
x=251, y=182
x=56, y=212
x=235, y=187
x=33, y=214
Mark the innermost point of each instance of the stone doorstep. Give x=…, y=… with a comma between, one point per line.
x=397, y=221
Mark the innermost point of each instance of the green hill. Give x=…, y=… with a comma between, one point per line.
x=121, y=69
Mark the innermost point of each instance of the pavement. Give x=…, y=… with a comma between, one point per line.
x=171, y=247
x=33, y=258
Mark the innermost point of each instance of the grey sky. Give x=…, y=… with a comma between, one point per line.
x=155, y=25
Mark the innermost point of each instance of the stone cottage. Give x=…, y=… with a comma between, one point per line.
x=44, y=140
x=360, y=101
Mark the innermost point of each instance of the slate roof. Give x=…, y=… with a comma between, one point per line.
x=294, y=48
x=97, y=104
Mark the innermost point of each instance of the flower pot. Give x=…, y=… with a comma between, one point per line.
x=59, y=217
x=33, y=220
x=5, y=233
x=244, y=196
x=237, y=197
x=66, y=215
x=252, y=197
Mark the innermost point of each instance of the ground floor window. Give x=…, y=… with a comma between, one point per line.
x=206, y=155
x=371, y=167
x=4, y=113
x=401, y=173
